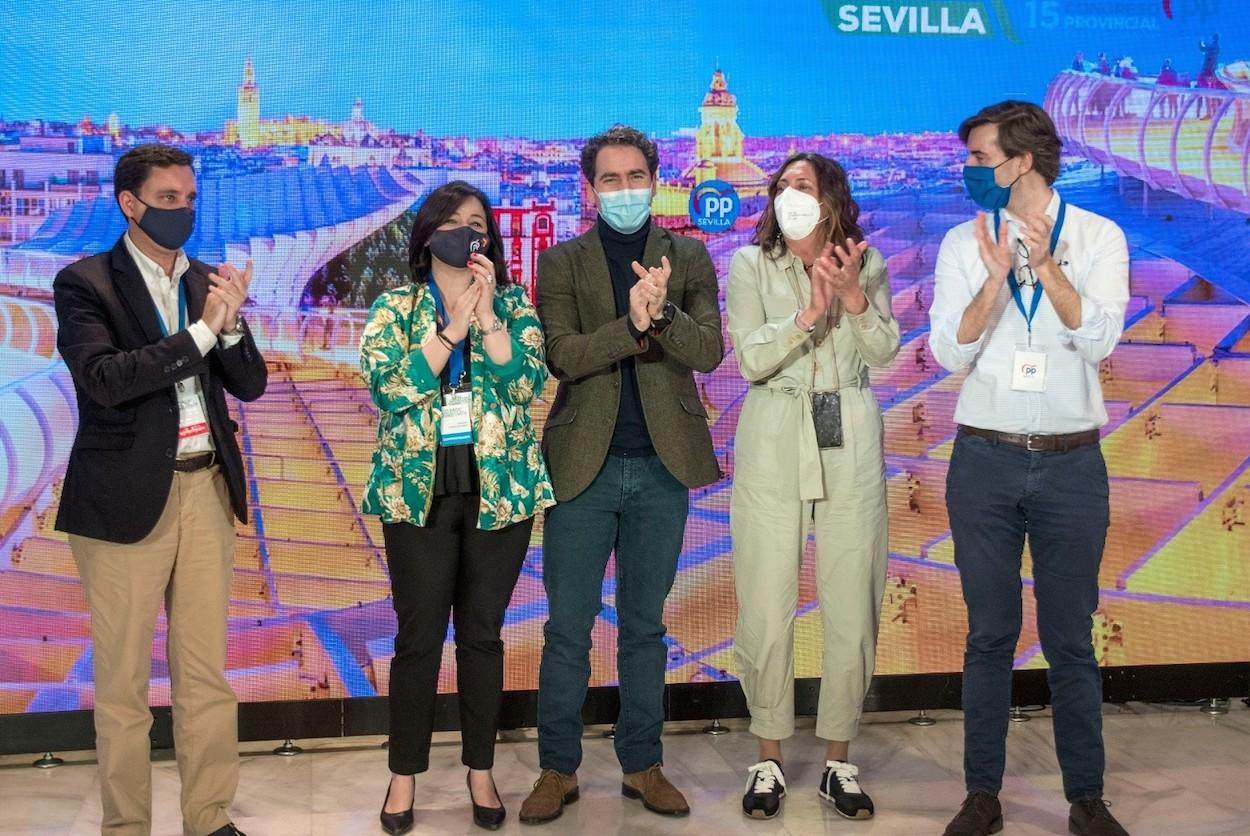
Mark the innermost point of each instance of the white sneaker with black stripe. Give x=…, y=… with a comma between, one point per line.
x=766, y=786
x=840, y=787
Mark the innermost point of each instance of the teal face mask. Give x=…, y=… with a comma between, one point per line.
x=983, y=189
x=625, y=210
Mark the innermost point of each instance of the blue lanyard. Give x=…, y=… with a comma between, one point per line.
x=182, y=311
x=455, y=361
x=1039, y=290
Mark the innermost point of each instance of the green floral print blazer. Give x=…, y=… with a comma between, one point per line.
x=511, y=470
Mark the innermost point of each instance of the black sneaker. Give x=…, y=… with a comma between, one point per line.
x=766, y=786
x=980, y=815
x=840, y=787
x=1090, y=817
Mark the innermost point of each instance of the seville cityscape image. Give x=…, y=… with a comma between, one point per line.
x=322, y=203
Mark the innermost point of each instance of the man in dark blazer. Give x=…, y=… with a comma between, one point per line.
x=152, y=340
x=630, y=311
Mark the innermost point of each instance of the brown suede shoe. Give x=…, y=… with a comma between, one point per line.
x=551, y=792
x=657, y=794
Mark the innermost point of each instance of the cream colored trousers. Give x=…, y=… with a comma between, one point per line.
x=770, y=523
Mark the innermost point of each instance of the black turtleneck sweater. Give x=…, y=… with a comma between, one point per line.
x=630, y=437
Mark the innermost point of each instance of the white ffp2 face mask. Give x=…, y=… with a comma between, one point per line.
x=798, y=213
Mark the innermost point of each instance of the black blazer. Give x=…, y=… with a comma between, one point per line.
x=121, y=465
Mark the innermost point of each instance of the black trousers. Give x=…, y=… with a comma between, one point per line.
x=449, y=566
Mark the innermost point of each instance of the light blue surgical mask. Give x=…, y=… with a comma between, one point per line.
x=984, y=189
x=625, y=210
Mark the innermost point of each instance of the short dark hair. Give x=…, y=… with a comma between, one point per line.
x=618, y=134
x=438, y=206
x=1022, y=127
x=136, y=165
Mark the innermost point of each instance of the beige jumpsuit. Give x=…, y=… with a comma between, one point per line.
x=783, y=481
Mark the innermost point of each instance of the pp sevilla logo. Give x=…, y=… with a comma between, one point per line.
x=714, y=206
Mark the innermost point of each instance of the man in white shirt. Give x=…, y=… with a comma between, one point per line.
x=153, y=339
x=1029, y=298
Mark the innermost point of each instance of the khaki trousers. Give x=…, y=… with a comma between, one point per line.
x=769, y=524
x=185, y=562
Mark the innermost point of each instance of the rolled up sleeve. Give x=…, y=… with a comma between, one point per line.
x=875, y=330
x=760, y=347
x=952, y=293
x=1104, y=298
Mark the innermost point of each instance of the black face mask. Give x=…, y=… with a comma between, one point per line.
x=454, y=246
x=169, y=228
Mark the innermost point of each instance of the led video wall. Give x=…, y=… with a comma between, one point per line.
x=318, y=129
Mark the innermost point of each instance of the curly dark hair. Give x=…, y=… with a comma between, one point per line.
x=438, y=206
x=841, y=210
x=132, y=170
x=618, y=134
x=1023, y=127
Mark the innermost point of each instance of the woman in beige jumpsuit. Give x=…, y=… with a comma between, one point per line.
x=809, y=311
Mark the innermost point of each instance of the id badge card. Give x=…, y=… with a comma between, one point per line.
x=456, y=425
x=192, y=423
x=1028, y=370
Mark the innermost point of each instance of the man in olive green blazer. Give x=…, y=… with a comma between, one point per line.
x=630, y=312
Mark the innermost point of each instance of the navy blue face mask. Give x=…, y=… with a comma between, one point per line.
x=168, y=228
x=984, y=189
x=454, y=247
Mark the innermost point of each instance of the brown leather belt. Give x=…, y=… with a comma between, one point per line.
x=1037, y=442
x=194, y=463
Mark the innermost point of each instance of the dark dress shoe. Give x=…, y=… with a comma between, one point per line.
x=980, y=815
x=1090, y=817
x=228, y=830
x=490, y=818
x=394, y=823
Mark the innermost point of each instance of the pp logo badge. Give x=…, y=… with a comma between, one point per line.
x=714, y=206
x=1028, y=372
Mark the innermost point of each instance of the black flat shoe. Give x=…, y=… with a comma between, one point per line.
x=227, y=830
x=489, y=818
x=394, y=823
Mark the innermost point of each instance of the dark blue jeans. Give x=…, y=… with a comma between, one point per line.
x=636, y=508
x=996, y=494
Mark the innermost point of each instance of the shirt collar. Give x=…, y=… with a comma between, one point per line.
x=1052, y=209
x=153, y=274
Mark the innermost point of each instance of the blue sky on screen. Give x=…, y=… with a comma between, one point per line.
x=563, y=69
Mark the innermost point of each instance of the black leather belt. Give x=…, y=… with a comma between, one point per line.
x=1037, y=442
x=194, y=463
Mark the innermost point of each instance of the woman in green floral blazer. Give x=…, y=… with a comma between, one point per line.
x=452, y=362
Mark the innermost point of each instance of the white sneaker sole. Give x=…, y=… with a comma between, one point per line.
x=860, y=816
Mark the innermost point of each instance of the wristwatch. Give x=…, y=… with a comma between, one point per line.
x=666, y=317
x=235, y=329
x=495, y=326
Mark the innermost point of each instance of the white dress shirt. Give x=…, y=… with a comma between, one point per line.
x=164, y=290
x=1093, y=254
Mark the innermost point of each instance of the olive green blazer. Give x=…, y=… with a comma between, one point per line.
x=586, y=341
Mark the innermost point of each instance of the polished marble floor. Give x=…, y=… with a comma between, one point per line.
x=1171, y=771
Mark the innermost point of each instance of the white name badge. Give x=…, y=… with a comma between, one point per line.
x=192, y=423
x=456, y=425
x=1028, y=371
